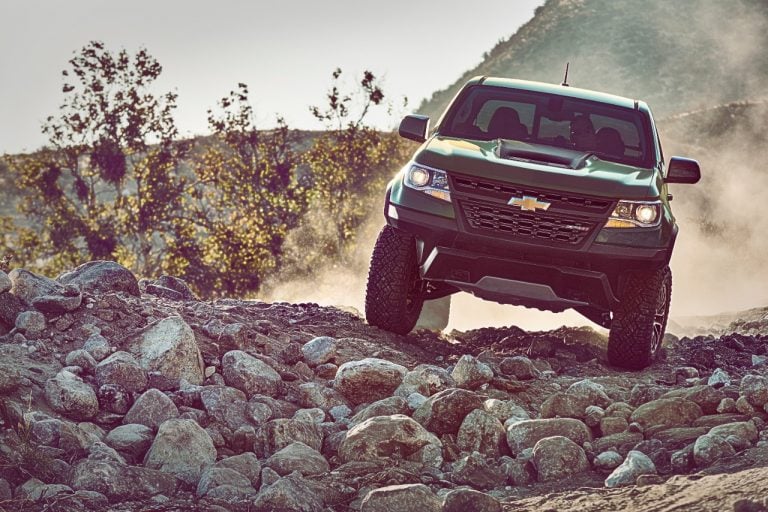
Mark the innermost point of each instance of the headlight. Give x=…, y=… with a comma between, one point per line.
x=430, y=181
x=634, y=214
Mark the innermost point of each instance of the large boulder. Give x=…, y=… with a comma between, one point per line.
x=319, y=350
x=384, y=407
x=292, y=493
x=67, y=394
x=636, y=464
x=248, y=374
x=525, y=434
x=151, y=409
x=30, y=323
x=368, y=380
x=754, y=388
x=444, y=412
x=28, y=286
x=710, y=448
x=169, y=347
x=403, y=498
x=556, y=458
x=131, y=441
x=121, y=368
x=704, y=395
x=213, y=477
x=226, y=405
x=482, y=432
x=469, y=373
x=425, y=380
x=181, y=448
x=466, y=500
x=120, y=482
x=279, y=433
x=386, y=436
x=666, y=413
x=102, y=277
x=297, y=457
x=10, y=307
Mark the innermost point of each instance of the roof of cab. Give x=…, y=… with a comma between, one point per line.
x=560, y=90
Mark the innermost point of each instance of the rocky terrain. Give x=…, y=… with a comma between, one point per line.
x=119, y=394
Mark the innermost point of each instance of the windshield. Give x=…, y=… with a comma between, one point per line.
x=612, y=133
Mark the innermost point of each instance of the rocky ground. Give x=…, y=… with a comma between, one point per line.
x=125, y=395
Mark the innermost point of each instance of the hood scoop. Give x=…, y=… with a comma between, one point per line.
x=536, y=153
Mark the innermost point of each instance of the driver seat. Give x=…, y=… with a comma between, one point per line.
x=505, y=124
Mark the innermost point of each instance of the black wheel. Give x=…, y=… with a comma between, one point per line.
x=640, y=319
x=393, y=297
x=435, y=314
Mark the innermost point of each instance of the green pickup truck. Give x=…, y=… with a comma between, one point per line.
x=539, y=195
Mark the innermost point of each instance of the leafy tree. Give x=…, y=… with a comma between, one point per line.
x=349, y=165
x=108, y=187
x=243, y=201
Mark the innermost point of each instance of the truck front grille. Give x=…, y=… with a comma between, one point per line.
x=513, y=222
x=494, y=189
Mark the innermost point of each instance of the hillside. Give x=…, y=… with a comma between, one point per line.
x=678, y=56
x=133, y=395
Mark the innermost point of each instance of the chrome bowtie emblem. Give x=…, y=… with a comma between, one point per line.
x=528, y=203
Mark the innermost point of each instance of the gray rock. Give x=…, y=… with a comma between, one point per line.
x=121, y=368
x=279, y=433
x=169, y=347
x=682, y=460
x=36, y=490
x=636, y=464
x=121, y=483
x=30, y=322
x=10, y=308
x=517, y=471
x=292, y=493
x=759, y=360
x=177, y=285
x=744, y=407
x=558, y=457
x=69, y=299
x=609, y=460
x=27, y=286
x=340, y=412
x=403, y=498
x=519, y=367
x=248, y=374
x=565, y=405
x=5, y=282
x=709, y=448
x=469, y=500
x=246, y=464
x=479, y=472
x=384, y=407
x=719, y=378
x=593, y=415
x=132, y=440
x=703, y=395
x=114, y=398
x=726, y=405
x=667, y=413
x=102, y=277
x=592, y=391
x=754, y=388
x=319, y=350
x=444, y=412
x=298, y=457
x=103, y=452
x=426, y=380
x=314, y=415
x=6, y=493
x=151, y=409
x=415, y=400
x=67, y=394
x=482, y=432
x=505, y=410
x=213, y=477
x=226, y=405
x=387, y=436
x=312, y=394
x=613, y=425
x=525, y=434
x=82, y=359
x=368, y=380
x=181, y=448
x=98, y=346
x=745, y=430
x=469, y=373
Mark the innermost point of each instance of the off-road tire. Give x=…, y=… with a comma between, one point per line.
x=393, y=297
x=640, y=319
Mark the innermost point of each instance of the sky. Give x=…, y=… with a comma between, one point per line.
x=285, y=51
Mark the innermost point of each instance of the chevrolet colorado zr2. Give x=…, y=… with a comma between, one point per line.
x=539, y=195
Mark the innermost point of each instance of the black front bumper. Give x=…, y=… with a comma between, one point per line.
x=585, y=278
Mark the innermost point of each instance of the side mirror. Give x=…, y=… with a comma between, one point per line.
x=683, y=170
x=414, y=127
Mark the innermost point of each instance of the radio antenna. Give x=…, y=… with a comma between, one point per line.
x=565, y=79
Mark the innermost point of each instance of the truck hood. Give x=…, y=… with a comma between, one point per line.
x=594, y=177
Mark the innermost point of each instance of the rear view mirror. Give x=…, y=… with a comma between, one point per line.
x=414, y=127
x=683, y=170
